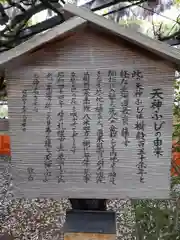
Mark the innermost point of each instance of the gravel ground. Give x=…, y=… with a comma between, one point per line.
x=42, y=219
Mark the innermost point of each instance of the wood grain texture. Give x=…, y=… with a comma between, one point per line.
x=158, y=48
x=16, y=56
x=88, y=51
x=89, y=236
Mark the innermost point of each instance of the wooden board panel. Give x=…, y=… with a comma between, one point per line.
x=89, y=236
x=157, y=47
x=64, y=137
x=122, y=145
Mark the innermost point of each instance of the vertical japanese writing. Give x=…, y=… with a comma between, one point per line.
x=30, y=172
x=100, y=134
x=86, y=127
x=124, y=105
x=112, y=122
x=73, y=113
x=35, y=91
x=156, y=104
x=48, y=142
x=60, y=128
x=139, y=125
x=24, y=117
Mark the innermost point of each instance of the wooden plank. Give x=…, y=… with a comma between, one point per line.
x=27, y=91
x=89, y=236
x=15, y=55
x=29, y=149
x=158, y=48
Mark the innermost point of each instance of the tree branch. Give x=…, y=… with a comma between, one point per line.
x=123, y=8
x=29, y=32
x=16, y=4
x=3, y=16
x=171, y=36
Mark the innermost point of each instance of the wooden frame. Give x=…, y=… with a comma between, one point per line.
x=17, y=54
x=158, y=48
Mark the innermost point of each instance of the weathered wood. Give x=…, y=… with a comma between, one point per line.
x=88, y=51
x=17, y=55
x=158, y=48
x=89, y=236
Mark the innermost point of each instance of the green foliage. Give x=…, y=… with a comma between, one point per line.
x=176, y=112
x=177, y=2
x=157, y=220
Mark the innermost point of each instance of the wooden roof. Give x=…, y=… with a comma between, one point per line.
x=83, y=16
x=158, y=48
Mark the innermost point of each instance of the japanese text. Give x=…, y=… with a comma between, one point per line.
x=158, y=123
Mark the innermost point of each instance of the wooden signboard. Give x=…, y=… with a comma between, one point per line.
x=91, y=133
x=90, y=116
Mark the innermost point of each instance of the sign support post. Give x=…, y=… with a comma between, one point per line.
x=89, y=220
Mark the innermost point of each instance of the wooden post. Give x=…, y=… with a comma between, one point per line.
x=90, y=221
